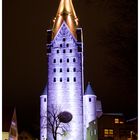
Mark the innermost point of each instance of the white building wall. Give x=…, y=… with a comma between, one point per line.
x=43, y=117
x=89, y=102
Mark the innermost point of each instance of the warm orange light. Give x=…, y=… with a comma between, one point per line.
x=121, y=122
x=116, y=120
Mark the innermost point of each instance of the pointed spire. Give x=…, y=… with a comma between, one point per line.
x=13, y=133
x=89, y=90
x=45, y=91
x=65, y=13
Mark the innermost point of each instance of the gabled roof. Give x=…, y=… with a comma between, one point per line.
x=89, y=90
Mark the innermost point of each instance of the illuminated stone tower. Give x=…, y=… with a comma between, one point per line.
x=65, y=69
x=90, y=109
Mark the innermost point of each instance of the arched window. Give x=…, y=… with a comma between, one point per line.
x=68, y=79
x=57, y=51
x=60, y=69
x=60, y=79
x=54, y=61
x=60, y=60
x=54, y=79
x=64, y=51
x=68, y=70
x=89, y=99
x=54, y=70
x=67, y=60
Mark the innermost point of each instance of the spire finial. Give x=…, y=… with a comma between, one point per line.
x=65, y=13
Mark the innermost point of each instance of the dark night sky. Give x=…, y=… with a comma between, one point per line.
x=110, y=55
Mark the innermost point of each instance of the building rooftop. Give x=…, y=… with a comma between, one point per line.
x=89, y=90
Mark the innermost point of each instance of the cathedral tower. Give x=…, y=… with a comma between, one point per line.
x=65, y=69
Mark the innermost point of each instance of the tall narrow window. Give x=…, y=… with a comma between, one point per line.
x=60, y=45
x=74, y=79
x=74, y=69
x=54, y=79
x=54, y=70
x=67, y=45
x=54, y=61
x=68, y=60
x=60, y=79
x=64, y=51
x=60, y=69
x=89, y=99
x=68, y=79
x=74, y=60
x=70, y=50
x=44, y=99
x=57, y=51
x=68, y=70
x=60, y=60
x=64, y=39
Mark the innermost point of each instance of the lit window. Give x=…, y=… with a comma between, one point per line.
x=54, y=61
x=60, y=60
x=74, y=69
x=70, y=50
x=68, y=70
x=108, y=132
x=60, y=79
x=60, y=69
x=54, y=70
x=74, y=60
x=89, y=99
x=68, y=79
x=54, y=79
x=74, y=79
x=116, y=120
x=121, y=122
x=64, y=51
x=57, y=51
x=68, y=60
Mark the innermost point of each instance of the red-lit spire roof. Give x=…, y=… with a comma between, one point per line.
x=65, y=13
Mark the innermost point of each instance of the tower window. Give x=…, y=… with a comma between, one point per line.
x=74, y=60
x=54, y=61
x=60, y=45
x=60, y=79
x=64, y=51
x=74, y=69
x=64, y=39
x=57, y=51
x=70, y=50
x=60, y=69
x=68, y=79
x=74, y=79
x=68, y=60
x=54, y=70
x=44, y=99
x=67, y=45
x=68, y=70
x=89, y=99
x=60, y=60
x=54, y=79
